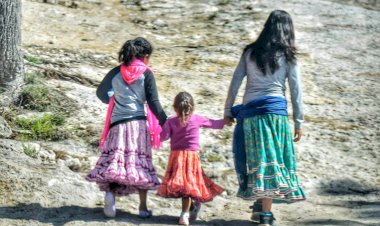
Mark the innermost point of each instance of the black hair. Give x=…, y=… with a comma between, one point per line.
x=184, y=106
x=135, y=48
x=276, y=37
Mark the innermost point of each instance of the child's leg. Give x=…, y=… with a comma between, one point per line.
x=195, y=207
x=109, y=202
x=266, y=216
x=143, y=198
x=184, y=218
x=186, y=202
x=267, y=204
x=143, y=209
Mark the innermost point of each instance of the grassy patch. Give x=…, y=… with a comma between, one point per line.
x=35, y=97
x=32, y=77
x=214, y=158
x=39, y=97
x=30, y=151
x=44, y=128
x=33, y=59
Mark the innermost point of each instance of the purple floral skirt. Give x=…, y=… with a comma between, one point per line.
x=125, y=166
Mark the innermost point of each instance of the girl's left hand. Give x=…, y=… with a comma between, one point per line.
x=297, y=135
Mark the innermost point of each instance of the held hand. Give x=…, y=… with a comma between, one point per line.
x=297, y=135
x=228, y=121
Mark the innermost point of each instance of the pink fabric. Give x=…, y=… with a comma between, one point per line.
x=130, y=74
x=126, y=160
x=107, y=124
x=133, y=71
x=187, y=137
x=154, y=129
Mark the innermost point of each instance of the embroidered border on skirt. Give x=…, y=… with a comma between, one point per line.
x=271, y=160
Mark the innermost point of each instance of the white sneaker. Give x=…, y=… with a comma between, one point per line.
x=109, y=205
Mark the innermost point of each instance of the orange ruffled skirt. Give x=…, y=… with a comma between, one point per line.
x=185, y=178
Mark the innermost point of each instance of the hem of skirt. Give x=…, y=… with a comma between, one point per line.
x=181, y=194
x=275, y=194
x=202, y=200
x=103, y=182
x=287, y=199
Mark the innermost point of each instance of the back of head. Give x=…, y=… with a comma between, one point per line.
x=184, y=106
x=135, y=48
x=276, y=37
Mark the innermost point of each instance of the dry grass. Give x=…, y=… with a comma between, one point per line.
x=332, y=124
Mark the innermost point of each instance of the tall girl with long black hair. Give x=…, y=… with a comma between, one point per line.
x=266, y=162
x=125, y=165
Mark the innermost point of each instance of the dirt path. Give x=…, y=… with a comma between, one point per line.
x=197, y=47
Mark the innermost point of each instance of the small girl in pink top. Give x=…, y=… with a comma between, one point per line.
x=184, y=176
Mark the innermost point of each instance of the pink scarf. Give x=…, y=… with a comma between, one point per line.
x=130, y=74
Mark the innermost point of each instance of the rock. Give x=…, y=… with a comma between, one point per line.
x=5, y=130
x=48, y=185
x=74, y=164
x=160, y=23
x=46, y=155
x=204, y=11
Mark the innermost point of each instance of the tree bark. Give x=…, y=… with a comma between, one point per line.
x=11, y=60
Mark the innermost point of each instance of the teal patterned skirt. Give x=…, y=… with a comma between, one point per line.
x=272, y=171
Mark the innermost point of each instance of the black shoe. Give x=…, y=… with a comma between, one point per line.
x=266, y=220
x=257, y=207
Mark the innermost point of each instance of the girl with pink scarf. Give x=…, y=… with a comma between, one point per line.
x=131, y=129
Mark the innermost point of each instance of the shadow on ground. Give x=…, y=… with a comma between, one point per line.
x=328, y=222
x=347, y=186
x=350, y=194
x=59, y=216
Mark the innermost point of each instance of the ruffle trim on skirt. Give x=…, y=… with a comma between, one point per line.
x=185, y=178
x=125, y=165
x=273, y=181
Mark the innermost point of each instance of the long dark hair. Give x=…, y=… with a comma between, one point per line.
x=276, y=37
x=184, y=106
x=135, y=48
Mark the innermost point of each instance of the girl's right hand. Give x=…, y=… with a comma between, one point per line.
x=228, y=121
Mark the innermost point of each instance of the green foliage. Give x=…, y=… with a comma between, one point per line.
x=33, y=59
x=30, y=151
x=32, y=77
x=44, y=128
x=35, y=97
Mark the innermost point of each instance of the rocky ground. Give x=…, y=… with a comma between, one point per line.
x=70, y=45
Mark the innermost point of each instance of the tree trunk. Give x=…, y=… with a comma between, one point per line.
x=11, y=60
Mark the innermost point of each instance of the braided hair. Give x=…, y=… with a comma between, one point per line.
x=184, y=106
x=135, y=48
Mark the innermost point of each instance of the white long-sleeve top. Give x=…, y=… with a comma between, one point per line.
x=259, y=85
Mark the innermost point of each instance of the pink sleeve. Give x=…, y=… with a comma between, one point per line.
x=210, y=123
x=165, y=133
